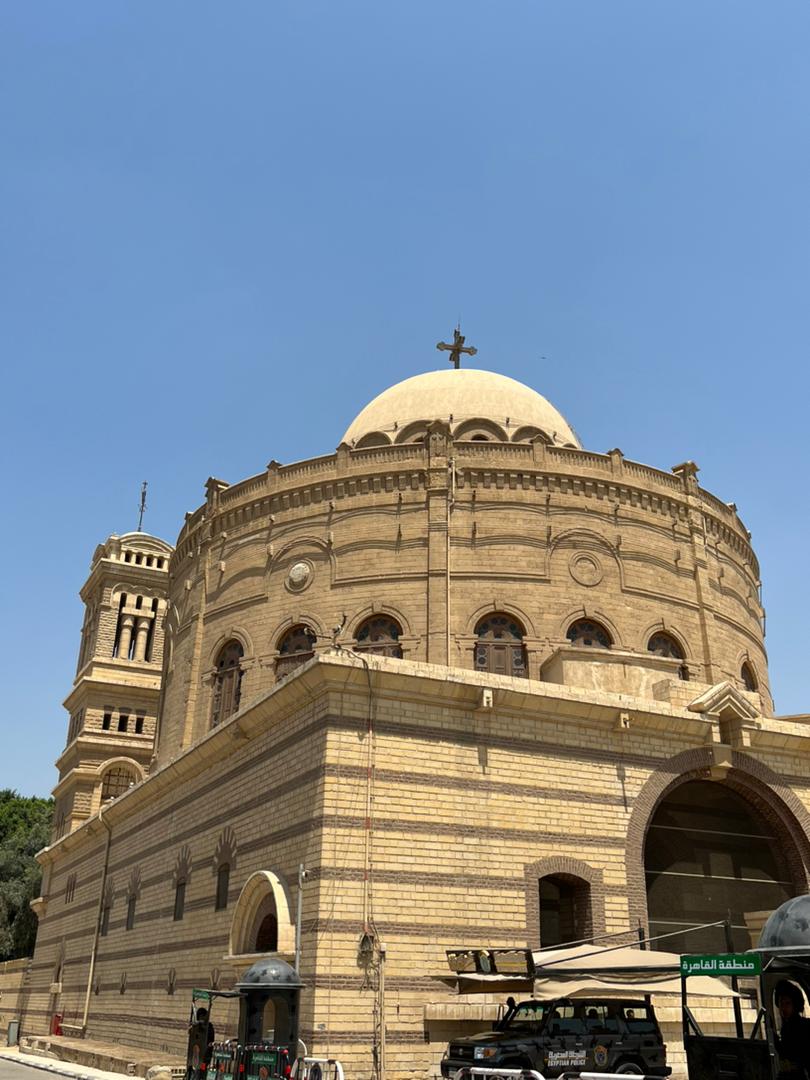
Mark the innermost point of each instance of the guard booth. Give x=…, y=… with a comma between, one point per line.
x=782, y=959
x=267, y=1042
x=268, y=1013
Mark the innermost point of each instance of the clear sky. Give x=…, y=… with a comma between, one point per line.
x=226, y=226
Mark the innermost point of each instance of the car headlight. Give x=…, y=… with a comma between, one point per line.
x=482, y=1052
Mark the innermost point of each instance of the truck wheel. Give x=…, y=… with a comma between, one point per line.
x=629, y=1068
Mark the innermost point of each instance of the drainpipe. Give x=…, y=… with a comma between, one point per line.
x=99, y=911
x=302, y=876
x=381, y=1069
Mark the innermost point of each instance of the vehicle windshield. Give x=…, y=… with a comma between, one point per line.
x=529, y=1016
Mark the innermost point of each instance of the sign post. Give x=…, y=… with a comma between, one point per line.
x=719, y=964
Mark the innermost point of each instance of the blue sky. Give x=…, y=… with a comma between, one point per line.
x=225, y=227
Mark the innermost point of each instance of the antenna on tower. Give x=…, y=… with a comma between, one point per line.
x=143, y=505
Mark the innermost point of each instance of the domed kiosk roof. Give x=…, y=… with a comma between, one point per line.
x=460, y=397
x=270, y=971
x=788, y=928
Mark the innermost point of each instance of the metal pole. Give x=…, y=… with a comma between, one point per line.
x=451, y=495
x=99, y=915
x=735, y=984
x=382, y=1012
x=301, y=878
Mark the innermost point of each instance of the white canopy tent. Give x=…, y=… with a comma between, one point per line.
x=584, y=970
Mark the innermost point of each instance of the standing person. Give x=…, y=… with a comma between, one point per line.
x=793, y=1040
x=202, y=1020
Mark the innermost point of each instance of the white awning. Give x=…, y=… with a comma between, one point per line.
x=585, y=970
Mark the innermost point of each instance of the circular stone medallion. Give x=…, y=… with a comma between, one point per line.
x=585, y=569
x=299, y=576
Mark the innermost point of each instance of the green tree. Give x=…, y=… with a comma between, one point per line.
x=25, y=828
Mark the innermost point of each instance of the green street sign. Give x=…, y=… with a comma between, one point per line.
x=722, y=964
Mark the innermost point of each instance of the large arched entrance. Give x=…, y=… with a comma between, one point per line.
x=709, y=854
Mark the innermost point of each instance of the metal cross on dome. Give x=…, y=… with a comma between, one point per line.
x=457, y=348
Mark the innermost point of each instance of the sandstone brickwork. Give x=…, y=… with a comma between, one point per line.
x=425, y=797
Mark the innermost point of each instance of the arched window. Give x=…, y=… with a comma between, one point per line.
x=116, y=781
x=265, y=933
x=499, y=648
x=565, y=909
x=587, y=632
x=663, y=644
x=749, y=678
x=295, y=648
x=480, y=430
x=380, y=635
x=227, y=682
x=223, y=884
x=709, y=852
x=373, y=438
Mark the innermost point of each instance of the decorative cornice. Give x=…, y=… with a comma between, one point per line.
x=501, y=465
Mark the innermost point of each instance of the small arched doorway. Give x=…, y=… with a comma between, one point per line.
x=711, y=854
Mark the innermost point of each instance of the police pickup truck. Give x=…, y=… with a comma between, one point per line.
x=556, y=1037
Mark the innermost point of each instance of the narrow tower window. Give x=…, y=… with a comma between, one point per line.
x=118, y=626
x=749, y=678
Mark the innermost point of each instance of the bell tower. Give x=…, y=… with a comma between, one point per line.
x=114, y=700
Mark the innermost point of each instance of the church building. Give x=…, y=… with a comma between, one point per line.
x=460, y=683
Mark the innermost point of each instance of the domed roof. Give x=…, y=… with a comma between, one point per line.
x=788, y=928
x=460, y=396
x=270, y=971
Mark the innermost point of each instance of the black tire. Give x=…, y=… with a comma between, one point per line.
x=629, y=1068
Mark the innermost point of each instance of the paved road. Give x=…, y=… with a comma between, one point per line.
x=11, y=1070
x=41, y=1068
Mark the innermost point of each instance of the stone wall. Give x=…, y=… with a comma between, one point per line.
x=13, y=974
x=423, y=815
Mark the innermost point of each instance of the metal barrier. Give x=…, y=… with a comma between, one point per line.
x=315, y=1068
x=532, y=1074
x=223, y=1061
x=495, y=1074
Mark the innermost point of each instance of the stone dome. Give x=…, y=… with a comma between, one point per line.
x=788, y=928
x=479, y=405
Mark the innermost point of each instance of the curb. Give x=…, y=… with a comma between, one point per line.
x=34, y=1061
